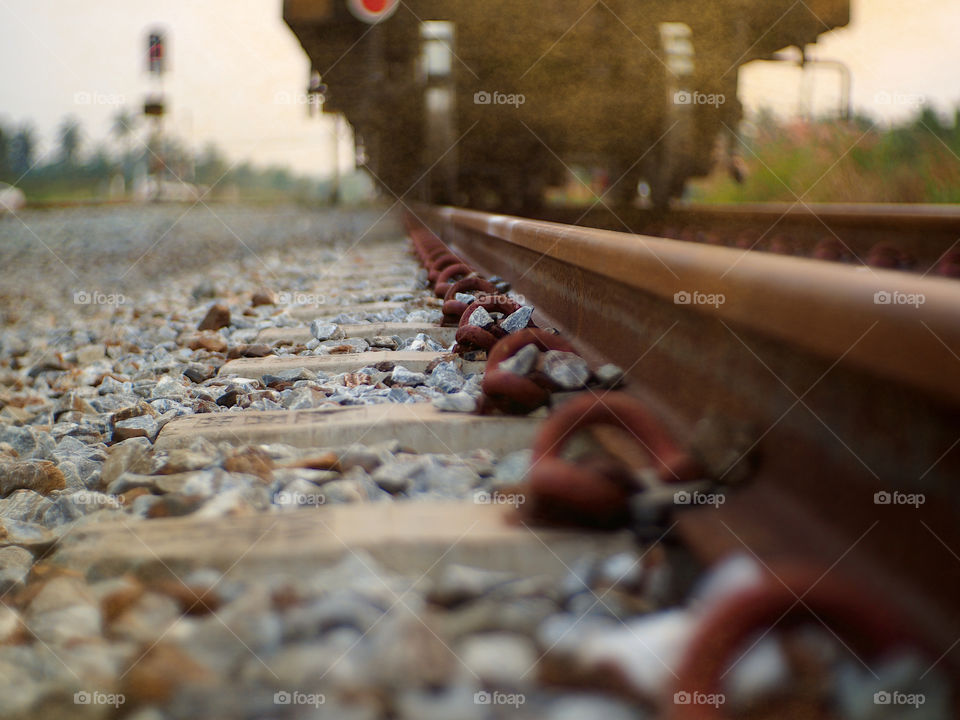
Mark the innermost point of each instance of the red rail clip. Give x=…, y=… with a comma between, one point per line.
x=471, y=337
x=790, y=595
x=596, y=493
x=511, y=393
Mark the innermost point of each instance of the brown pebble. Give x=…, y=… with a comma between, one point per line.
x=243, y=350
x=180, y=460
x=284, y=598
x=212, y=342
x=160, y=672
x=141, y=408
x=131, y=495
x=263, y=297
x=217, y=316
x=206, y=406
x=352, y=380
x=52, y=363
x=252, y=462
x=45, y=571
x=326, y=461
x=116, y=603
x=40, y=574
x=13, y=631
x=229, y=398
x=175, y=506
x=41, y=476
x=193, y=599
x=146, y=430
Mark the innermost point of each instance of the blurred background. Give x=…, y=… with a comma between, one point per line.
x=74, y=78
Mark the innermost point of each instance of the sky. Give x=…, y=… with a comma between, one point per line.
x=235, y=67
x=900, y=53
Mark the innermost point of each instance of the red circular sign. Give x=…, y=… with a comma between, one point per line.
x=373, y=11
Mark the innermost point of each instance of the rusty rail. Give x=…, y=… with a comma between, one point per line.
x=845, y=381
x=921, y=238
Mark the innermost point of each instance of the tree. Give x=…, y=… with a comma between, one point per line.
x=22, y=149
x=5, y=170
x=211, y=165
x=278, y=178
x=69, y=134
x=243, y=175
x=123, y=126
x=122, y=129
x=99, y=164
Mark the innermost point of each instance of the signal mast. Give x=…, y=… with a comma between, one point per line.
x=155, y=107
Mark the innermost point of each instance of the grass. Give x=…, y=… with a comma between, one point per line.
x=917, y=161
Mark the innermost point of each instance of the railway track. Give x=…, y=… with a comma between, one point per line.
x=358, y=506
x=917, y=238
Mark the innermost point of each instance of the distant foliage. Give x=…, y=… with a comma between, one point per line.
x=916, y=161
x=76, y=169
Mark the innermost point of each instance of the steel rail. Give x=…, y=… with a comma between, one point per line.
x=923, y=232
x=841, y=396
